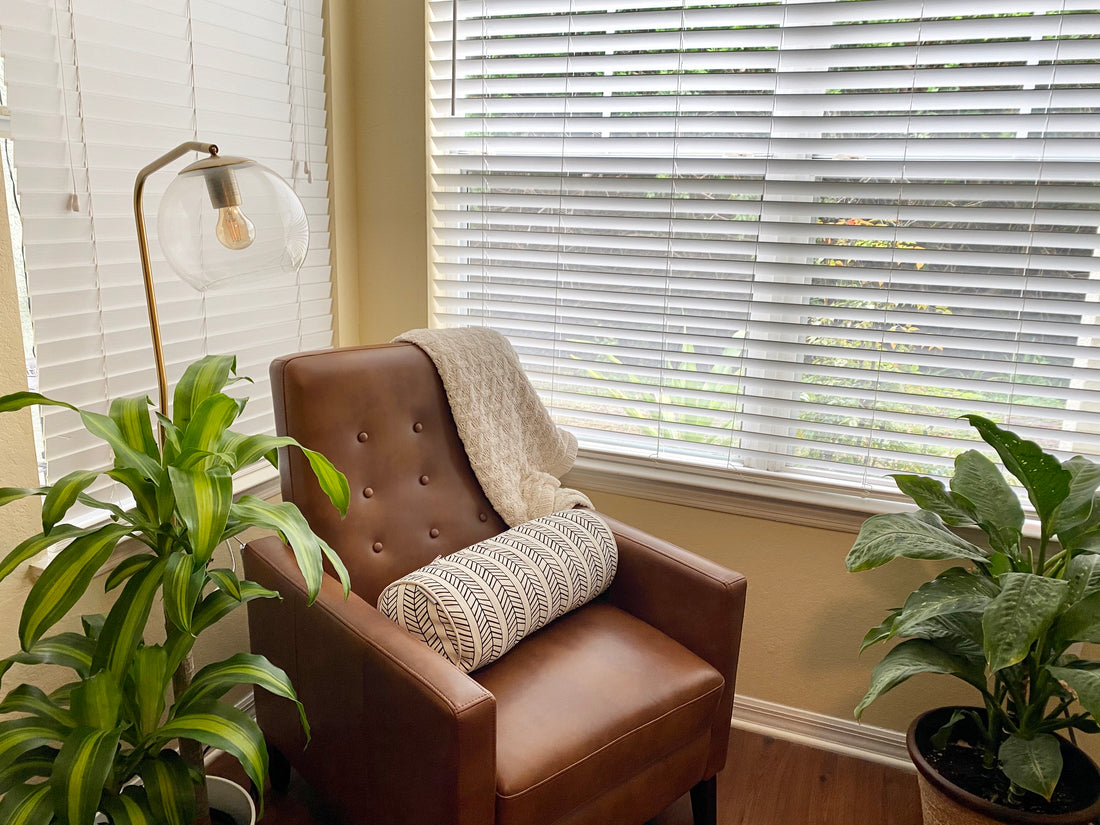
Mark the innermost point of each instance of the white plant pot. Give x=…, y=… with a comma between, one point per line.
x=229, y=797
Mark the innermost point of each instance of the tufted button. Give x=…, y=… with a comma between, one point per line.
x=418, y=427
x=424, y=479
x=482, y=517
x=368, y=492
x=377, y=547
x=362, y=437
x=434, y=533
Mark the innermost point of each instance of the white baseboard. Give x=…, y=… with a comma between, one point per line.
x=824, y=732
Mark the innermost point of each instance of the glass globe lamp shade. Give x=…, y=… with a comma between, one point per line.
x=228, y=218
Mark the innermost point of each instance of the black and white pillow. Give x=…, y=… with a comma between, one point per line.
x=475, y=605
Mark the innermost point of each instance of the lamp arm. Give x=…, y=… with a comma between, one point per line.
x=143, y=248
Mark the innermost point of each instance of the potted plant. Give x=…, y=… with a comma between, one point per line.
x=1007, y=622
x=102, y=745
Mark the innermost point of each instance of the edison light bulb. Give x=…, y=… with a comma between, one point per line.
x=234, y=229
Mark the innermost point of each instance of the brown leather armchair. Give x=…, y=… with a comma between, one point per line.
x=606, y=716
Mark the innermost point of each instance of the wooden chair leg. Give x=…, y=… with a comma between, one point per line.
x=704, y=802
x=278, y=769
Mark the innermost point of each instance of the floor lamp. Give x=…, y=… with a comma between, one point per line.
x=221, y=219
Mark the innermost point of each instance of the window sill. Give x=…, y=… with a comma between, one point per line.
x=791, y=502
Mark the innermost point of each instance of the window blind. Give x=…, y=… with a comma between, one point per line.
x=798, y=238
x=100, y=88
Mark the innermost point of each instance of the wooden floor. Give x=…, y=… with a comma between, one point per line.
x=766, y=782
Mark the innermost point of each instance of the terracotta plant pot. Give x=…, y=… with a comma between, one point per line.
x=944, y=803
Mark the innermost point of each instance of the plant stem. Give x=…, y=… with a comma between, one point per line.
x=190, y=750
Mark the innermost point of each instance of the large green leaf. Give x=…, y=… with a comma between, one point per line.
x=959, y=634
x=170, y=791
x=199, y=381
x=292, y=526
x=1084, y=570
x=997, y=509
x=27, y=805
x=910, y=658
x=208, y=423
x=146, y=682
x=930, y=494
x=1078, y=508
x=881, y=632
x=1043, y=476
x=96, y=701
x=127, y=568
x=65, y=580
x=125, y=625
x=35, y=763
x=1026, y=606
x=953, y=591
x=31, y=700
x=247, y=449
x=332, y=481
x=214, y=680
x=31, y=547
x=1084, y=683
x=222, y=726
x=919, y=535
x=10, y=494
x=70, y=650
x=62, y=495
x=219, y=604
x=143, y=490
x=203, y=498
x=1034, y=764
x=80, y=773
x=131, y=416
x=1081, y=622
x=184, y=578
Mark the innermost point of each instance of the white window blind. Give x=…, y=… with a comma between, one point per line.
x=100, y=88
x=798, y=238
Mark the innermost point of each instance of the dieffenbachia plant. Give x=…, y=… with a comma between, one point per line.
x=1004, y=621
x=67, y=755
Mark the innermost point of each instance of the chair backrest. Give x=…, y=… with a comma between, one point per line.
x=380, y=414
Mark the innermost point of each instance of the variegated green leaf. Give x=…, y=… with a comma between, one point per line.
x=125, y=625
x=96, y=701
x=10, y=494
x=27, y=805
x=65, y=580
x=30, y=765
x=292, y=526
x=1021, y=612
x=80, y=773
x=131, y=807
x=332, y=481
x=107, y=430
x=127, y=568
x=183, y=581
x=143, y=490
x=203, y=498
x=31, y=547
x=20, y=400
x=70, y=650
x=203, y=378
x=170, y=791
x=955, y=590
x=131, y=415
x=1084, y=683
x=919, y=535
x=995, y=507
x=208, y=422
x=62, y=495
x=212, y=682
x=247, y=449
x=222, y=726
x=146, y=682
x=31, y=700
x=226, y=581
x=17, y=736
x=218, y=605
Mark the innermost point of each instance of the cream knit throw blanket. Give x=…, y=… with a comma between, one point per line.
x=515, y=449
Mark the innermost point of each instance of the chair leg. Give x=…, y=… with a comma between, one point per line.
x=704, y=802
x=278, y=769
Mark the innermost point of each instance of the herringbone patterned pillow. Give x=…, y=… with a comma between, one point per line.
x=475, y=605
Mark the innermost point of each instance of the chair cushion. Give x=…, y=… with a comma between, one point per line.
x=473, y=606
x=591, y=702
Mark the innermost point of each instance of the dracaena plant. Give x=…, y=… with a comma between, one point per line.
x=1005, y=620
x=67, y=755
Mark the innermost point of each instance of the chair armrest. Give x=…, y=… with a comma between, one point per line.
x=693, y=600
x=398, y=733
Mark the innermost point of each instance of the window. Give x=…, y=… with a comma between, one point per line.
x=99, y=88
x=789, y=240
